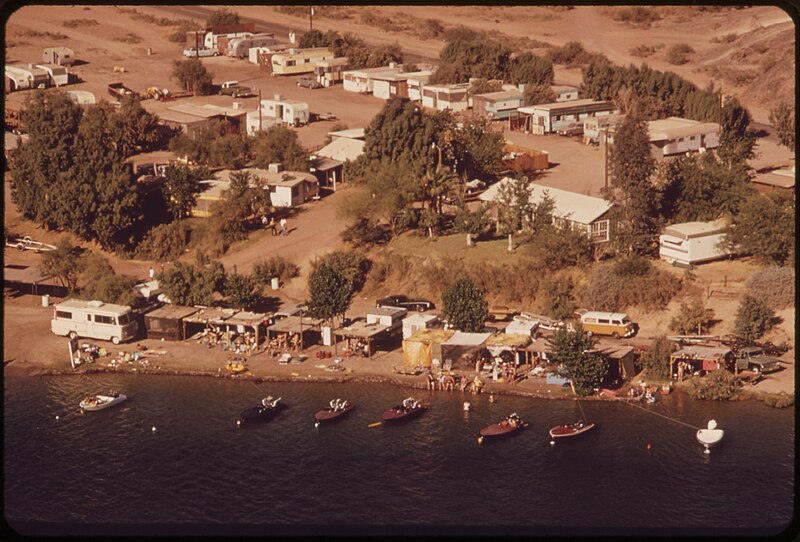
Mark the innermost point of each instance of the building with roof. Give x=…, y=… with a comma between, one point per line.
x=393, y=85
x=497, y=105
x=351, y=133
x=61, y=56
x=262, y=56
x=565, y=93
x=551, y=117
x=595, y=129
x=690, y=243
x=361, y=80
x=286, y=188
x=224, y=33
x=675, y=135
x=777, y=181
x=699, y=360
x=282, y=110
x=328, y=162
x=443, y=97
x=25, y=76
x=190, y=117
x=415, y=84
x=330, y=72
x=587, y=213
x=296, y=61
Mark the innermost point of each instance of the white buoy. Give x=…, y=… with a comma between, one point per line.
x=238, y=423
x=154, y=429
x=466, y=406
x=316, y=425
x=552, y=443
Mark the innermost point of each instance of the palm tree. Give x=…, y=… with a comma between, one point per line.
x=436, y=185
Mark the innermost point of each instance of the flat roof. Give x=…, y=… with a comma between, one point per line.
x=94, y=305
x=584, y=103
x=289, y=101
x=511, y=340
x=180, y=118
x=274, y=179
x=500, y=95
x=207, y=110
x=246, y=318
x=436, y=335
x=399, y=76
x=387, y=311
x=781, y=178
x=210, y=314
x=673, y=127
x=419, y=318
x=338, y=61
x=342, y=149
x=325, y=164
x=352, y=133
x=360, y=328
x=380, y=69
x=614, y=352
x=462, y=338
x=690, y=230
x=172, y=312
x=292, y=324
x=702, y=352
x=23, y=274
x=563, y=88
x=449, y=86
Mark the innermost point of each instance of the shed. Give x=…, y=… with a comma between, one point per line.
x=361, y=80
x=387, y=316
x=496, y=105
x=25, y=277
x=521, y=159
x=246, y=319
x=522, y=327
x=328, y=162
x=699, y=359
x=62, y=56
x=167, y=322
x=516, y=343
x=417, y=321
x=393, y=85
x=691, y=243
x=425, y=345
x=620, y=360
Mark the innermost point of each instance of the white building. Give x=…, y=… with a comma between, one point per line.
x=393, y=85
x=675, y=135
x=286, y=188
x=413, y=322
x=691, y=243
x=415, y=83
x=62, y=56
x=361, y=80
x=330, y=72
x=441, y=97
x=565, y=93
x=284, y=111
x=551, y=117
x=387, y=316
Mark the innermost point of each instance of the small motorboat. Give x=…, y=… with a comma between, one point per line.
x=236, y=365
x=336, y=411
x=571, y=429
x=710, y=436
x=510, y=424
x=263, y=412
x=99, y=402
x=411, y=408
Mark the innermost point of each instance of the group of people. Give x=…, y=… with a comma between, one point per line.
x=451, y=381
x=284, y=341
x=359, y=347
x=273, y=226
x=238, y=343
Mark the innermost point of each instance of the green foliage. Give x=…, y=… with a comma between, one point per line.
x=693, y=318
x=353, y=265
x=631, y=166
x=736, y=140
x=782, y=118
x=192, y=284
x=774, y=285
x=183, y=26
x=572, y=351
x=275, y=266
x=100, y=282
x=193, y=75
x=637, y=15
x=558, y=247
x=330, y=291
x=482, y=86
x=469, y=54
x=476, y=149
x=656, y=358
x=765, y=228
x=718, y=385
x=679, y=53
x=465, y=306
x=133, y=130
x=279, y=145
x=64, y=263
x=557, y=297
x=221, y=17
x=570, y=54
x=213, y=145
x=530, y=69
x=514, y=205
x=609, y=290
x=364, y=232
x=354, y=48
x=242, y=202
x=753, y=318
x=240, y=290
x=181, y=187
x=538, y=94
x=777, y=400
x=166, y=242
x=477, y=223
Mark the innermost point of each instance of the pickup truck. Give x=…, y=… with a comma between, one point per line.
x=235, y=90
x=752, y=358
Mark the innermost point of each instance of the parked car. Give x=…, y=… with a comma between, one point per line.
x=405, y=302
x=545, y=323
x=234, y=89
x=192, y=52
x=754, y=359
x=308, y=82
x=571, y=130
x=500, y=313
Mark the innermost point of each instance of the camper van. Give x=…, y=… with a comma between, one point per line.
x=615, y=324
x=94, y=320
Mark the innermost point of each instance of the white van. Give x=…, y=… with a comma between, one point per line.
x=94, y=320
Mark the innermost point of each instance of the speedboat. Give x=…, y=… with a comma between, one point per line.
x=510, y=424
x=571, y=429
x=263, y=412
x=337, y=409
x=710, y=436
x=411, y=408
x=99, y=402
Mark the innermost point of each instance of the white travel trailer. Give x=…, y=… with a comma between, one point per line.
x=691, y=243
x=94, y=320
x=240, y=47
x=293, y=112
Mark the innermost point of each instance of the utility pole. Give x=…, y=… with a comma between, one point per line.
x=605, y=168
x=310, y=18
x=259, y=113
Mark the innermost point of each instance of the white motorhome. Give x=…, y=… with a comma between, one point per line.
x=94, y=320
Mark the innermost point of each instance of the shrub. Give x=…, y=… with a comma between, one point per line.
x=642, y=51
x=753, y=319
x=693, y=318
x=77, y=23
x=611, y=287
x=557, y=297
x=240, y=290
x=679, y=53
x=130, y=37
x=275, y=266
x=777, y=400
x=465, y=306
x=165, y=242
x=719, y=385
x=37, y=34
x=727, y=38
x=637, y=15
x=656, y=358
x=774, y=286
x=350, y=263
x=365, y=232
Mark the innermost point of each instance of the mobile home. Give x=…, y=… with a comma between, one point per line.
x=690, y=243
x=295, y=61
x=361, y=80
x=496, y=105
x=565, y=93
x=675, y=135
x=240, y=47
x=442, y=97
x=415, y=83
x=58, y=74
x=26, y=76
x=94, y=320
x=293, y=112
x=62, y=56
x=228, y=32
x=551, y=117
x=330, y=72
x=393, y=85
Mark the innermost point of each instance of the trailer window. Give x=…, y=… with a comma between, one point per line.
x=64, y=314
x=100, y=319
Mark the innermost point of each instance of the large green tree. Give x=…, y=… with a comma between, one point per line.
x=465, y=306
x=782, y=118
x=656, y=358
x=330, y=293
x=241, y=290
x=192, y=284
x=573, y=352
x=765, y=228
x=753, y=318
x=279, y=144
x=181, y=187
x=477, y=150
x=133, y=129
x=530, y=69
x=64, y=263
x=193, y=76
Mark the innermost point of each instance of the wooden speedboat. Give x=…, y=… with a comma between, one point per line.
x=509, y=425
x=411, y=408
x=336, y=411
x=100, y=402
x=710, y=436
x=263, y=412
x=571, y=429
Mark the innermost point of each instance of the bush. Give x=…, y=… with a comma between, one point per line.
x=350, y=263
x=130, y=37
x=643, y=51
x=727, y=38
x=719, y=385
x=777, y=400
x=656, y=358
x=557, y=297
x=679, y=53
x=612, y=287
x=559, y=248
x=77, y=23
x=364, y=232
x=165, y=242
x=693, y=318
x=753, y=319
x=240, y=290
x=637, y=15
x=275, y=266
x=774, y=286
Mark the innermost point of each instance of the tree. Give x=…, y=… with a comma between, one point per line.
x=330, y=293
x=165, y=242
x=279, y=145
x=476, y=223
x=656, y=358
x=572, y=351
x=436, y=185
x=736, y=141
x=192, y=284
x=312, y=38
x=693, y=317
x=133, y=129
x=753, y=319
x=765, y=228
x=476, y=149
x=482, y=86
x=63, y=262
x=193, y=75
x=352, y=264
x=100, y=282
x=465, y=306
x=474, y=56
x=364, y=232
x=245, y=199
x=530, y=69
x=781, y=117
x=241, y=290
x=557, y=298
x=221, y=17
x=181, y=187
x=538, y=94
x=631, y=166
x=514, y=206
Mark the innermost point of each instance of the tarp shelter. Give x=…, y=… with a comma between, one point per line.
x=425, y=345
x=698, y=359
x=245, y=319
x=294, y=325
x=208, y=317
x=503, y=342
x=167, y=322
x=361, y=330
x=19, y=276
x=463, y=348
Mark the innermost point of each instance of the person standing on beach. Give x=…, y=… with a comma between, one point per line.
x=283, y=227
x=273, y=227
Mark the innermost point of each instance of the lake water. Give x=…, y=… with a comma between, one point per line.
x=108, y=473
